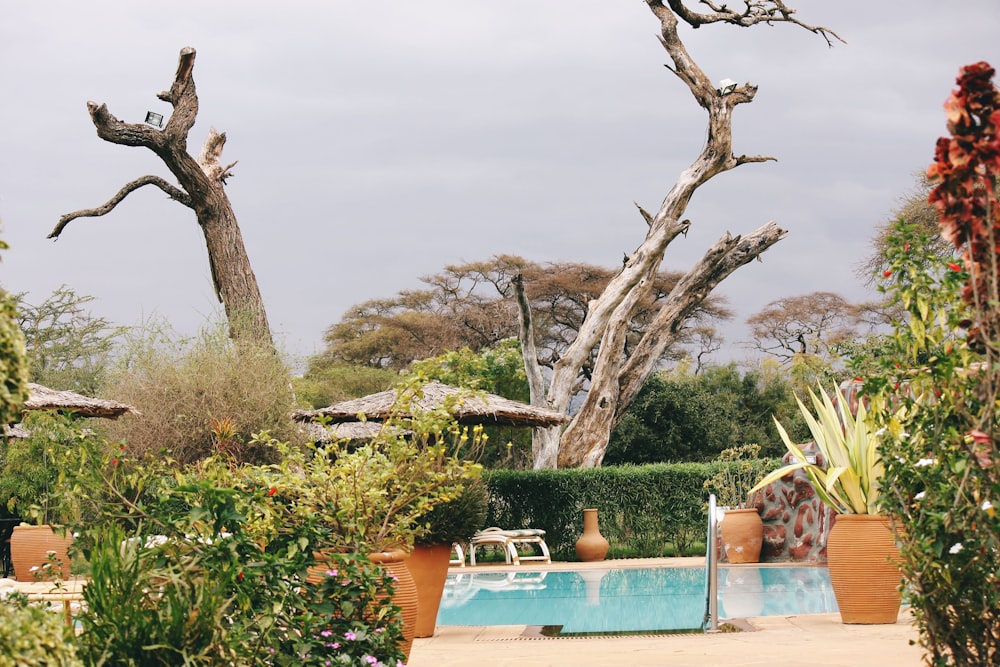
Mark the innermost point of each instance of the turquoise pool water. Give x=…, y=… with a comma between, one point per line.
x=630, y=599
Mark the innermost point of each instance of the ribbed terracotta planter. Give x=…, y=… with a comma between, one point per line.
x=30, y=547
x=591, y=546
x=428, y=564
x=405, y=594
x=742, y=535
x=863, y=559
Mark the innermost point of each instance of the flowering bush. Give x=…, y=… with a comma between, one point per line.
x=346, y=618
x=203, y=566
x=942, y=462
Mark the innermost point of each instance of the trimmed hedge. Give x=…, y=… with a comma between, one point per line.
x=644, y=511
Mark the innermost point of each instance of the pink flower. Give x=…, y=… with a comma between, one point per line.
x=350, y=636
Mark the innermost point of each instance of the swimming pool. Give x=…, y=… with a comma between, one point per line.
x=630, y=599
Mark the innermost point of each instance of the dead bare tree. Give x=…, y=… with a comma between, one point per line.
x=202, y=189
x=617, y=378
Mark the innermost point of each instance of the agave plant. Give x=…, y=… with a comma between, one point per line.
x=849, y=482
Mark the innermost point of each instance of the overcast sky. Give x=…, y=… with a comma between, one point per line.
x=379, y=141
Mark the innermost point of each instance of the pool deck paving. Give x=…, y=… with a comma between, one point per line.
x=815, y=640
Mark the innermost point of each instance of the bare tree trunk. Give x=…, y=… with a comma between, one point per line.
x=616, y=379
x=544, y=440
x=202, y=188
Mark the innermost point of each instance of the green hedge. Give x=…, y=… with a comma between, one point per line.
x=644, y=511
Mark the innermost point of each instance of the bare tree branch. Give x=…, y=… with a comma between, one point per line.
x=174, y=193
x=754, y=12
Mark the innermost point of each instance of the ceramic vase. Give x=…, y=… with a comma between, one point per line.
x=742, y=535
x=591, y=546
x=863, y=559
x=428, y=564
x=29, y=553
x=405, y=593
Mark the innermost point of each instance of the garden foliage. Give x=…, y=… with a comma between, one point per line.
x=13, y=360
x=943, y=371
x=31, y=636
x=209, y=567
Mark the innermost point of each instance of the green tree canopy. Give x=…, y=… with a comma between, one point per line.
x=68, y=347
x=679, y=416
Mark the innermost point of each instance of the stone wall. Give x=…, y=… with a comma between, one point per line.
x=795, y=520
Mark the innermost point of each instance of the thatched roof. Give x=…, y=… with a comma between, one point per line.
x=43, y=398
x=349, y=431
x=15, y=431
x=470, y=408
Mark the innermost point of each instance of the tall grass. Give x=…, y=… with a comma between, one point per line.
x=199, y=396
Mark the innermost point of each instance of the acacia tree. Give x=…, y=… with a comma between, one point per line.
x=468, y=306
x=202, y=182
x=810, y=324
x=68, y=347
x=617, y=376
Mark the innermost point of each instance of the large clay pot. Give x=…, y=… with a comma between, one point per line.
x=591, y=546
x=30, y=547
x=863, y=559
x=428, y=564
x=742, y=535
x=405, y=594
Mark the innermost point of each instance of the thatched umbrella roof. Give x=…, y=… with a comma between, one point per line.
x=349, y=431
x=43, y=398
x=470, y=408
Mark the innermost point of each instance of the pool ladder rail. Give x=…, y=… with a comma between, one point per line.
x=711, y=622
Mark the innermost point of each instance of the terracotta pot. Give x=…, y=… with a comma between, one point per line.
x=405, y=594
x=591, y=546
x=30, y=547
x=863, y=559
x=428, y=563
x=742, y=535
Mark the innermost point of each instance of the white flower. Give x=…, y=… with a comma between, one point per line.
x=922, y=463
x=987, y=506
x=33, y=568
x=920, y=496
x=955, y=548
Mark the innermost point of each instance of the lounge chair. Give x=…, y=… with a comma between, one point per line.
x=510, y=540
x=459, y=557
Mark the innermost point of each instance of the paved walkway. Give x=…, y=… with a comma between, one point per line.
x=813, y=640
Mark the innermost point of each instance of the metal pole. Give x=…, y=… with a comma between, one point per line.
x=712, y=570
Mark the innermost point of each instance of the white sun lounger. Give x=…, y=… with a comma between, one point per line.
x=510, y=540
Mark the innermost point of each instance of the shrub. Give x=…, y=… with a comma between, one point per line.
x=942, y=460
x=32, y=636
x=210, y=568
x=13, y=360
x=186, y=389
x=37, y=471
